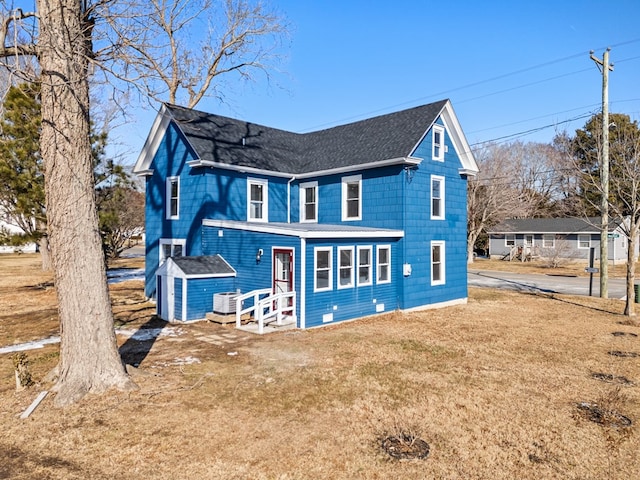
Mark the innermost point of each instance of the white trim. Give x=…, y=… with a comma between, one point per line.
x=378, y=248
x=297, y=230
x=302, y=190
x=351, y=283
x=265, y=199
x=168, y=183
x=346, y=181
x=438, y=129
x=151, y=144
x=329, y=250
x=360, y=248
x=409, y=160
x=443, y=256
x=302, y=311
x=441, y=180
x=172, y=268
x=184, y=300
x=553, y=240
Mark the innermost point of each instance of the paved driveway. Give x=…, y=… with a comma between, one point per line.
x=544, y=283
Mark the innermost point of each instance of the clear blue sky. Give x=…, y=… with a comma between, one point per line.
x=507, y=66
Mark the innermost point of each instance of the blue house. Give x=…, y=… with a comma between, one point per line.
x=317, y=228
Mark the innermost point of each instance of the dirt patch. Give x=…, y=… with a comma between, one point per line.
x=405, y=447
x=624, y=334
x=609, y=378
x=619, y=353
x=603, y=416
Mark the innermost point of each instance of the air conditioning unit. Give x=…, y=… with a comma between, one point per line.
x=225, y=302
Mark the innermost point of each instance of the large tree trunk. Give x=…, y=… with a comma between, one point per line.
x=89, y=358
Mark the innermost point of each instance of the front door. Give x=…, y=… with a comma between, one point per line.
x=283, y=272
x=166, y=300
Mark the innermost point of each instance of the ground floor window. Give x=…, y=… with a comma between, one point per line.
x=171, y=247
x=510, y=240
x=437, y=263
x=364, y=266
x=323, y=275
x=345, y=267
x=383, y=261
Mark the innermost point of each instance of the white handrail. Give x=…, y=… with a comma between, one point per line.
x=256, y=298
x=275, y=307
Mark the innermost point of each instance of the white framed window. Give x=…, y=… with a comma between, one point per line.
x=172, y=198
x=323, y=269
x=257, y=200
x=345, y=267
x=437, y=263
x=510, y=240
x=365, y=254
x=172, y=247
x=548, y=241
x=383, y=264
x=309, y=202
x=437, y=197
x=437, y=144
x=352, y=197
x=584, y=241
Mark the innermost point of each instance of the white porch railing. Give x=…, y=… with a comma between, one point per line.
x=264, y=309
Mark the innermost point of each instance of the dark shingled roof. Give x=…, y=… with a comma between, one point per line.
x=551, y=225
x=204, y=265
x=235, y=142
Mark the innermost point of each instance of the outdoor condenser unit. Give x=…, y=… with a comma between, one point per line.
x=225, y=302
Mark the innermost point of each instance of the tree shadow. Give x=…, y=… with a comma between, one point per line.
x=136, y=348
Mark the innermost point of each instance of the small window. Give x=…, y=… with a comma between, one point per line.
x=548, y=241
x=345, y=267
x=323, y=269
x=309, y=202
x=383, y=262
x=438, y=143
x=364, y=266
x=584, y=241
x=510, y=240
x=173, y=198
x=352, y=198
x=171, y=247
x=258, y=196
x=437, y=263
x=437, y=197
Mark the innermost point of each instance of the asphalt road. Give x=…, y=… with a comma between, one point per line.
x=544, y=283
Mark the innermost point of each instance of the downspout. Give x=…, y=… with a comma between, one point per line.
x=289, y=198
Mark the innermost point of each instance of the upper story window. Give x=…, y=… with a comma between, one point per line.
x=364, y=266
x=322, y=279
x=257, y=200
x=437, y=263
x=171, y=247
x=437, y=144
x=345, y=267
x=352, y=198
x=383, y=262
x=437, y=197
x=172, y=198
x=309, y=202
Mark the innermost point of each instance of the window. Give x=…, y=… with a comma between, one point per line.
x=364, y=266
x=548, y=241
x=437, y=263
x=584, y=241
x=258, y=204
x=345, y=267
x=383, y=262
x=352, y=198
x=309, y=202
x=171, y=247
x=510, y=240
x=437, y=151
x=173, y=198
x=323, y=269
x=437, y=197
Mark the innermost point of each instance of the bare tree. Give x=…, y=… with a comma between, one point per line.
x=153, y=45
x=128, y=45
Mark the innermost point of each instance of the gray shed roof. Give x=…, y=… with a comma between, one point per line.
x=552, y=225
x=204, y=265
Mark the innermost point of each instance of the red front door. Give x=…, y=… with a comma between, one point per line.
x=282, y=270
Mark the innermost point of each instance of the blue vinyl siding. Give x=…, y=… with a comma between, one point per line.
x=200, y=293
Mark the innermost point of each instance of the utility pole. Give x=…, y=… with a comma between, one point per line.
x=604, y=67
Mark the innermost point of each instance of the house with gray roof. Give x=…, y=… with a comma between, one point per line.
x=321, y=227
x=568, y=238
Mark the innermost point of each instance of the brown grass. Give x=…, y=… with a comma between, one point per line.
x=492, y=386
x=542, y=267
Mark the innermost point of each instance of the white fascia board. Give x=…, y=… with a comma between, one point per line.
x=151, y=144
x=301, y=233
x=210, y=275
x=334, y=171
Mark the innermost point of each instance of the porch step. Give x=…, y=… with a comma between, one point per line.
x=221, y=319
x=288, y=323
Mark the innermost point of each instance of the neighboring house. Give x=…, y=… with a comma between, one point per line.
x=568, y=238
x=337, y=224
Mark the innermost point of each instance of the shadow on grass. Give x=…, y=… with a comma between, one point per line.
x=136, y=348
x=18, y=463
